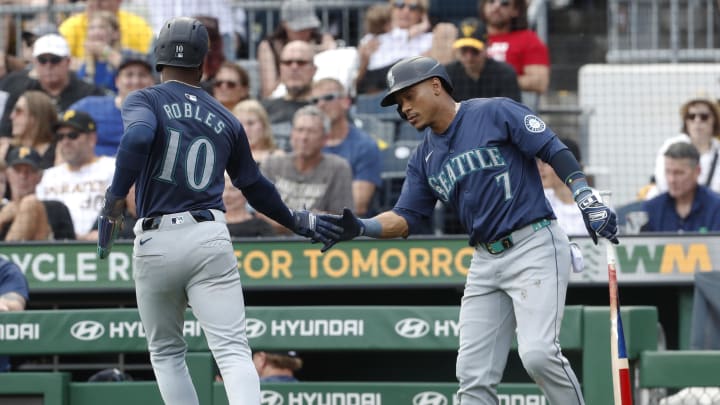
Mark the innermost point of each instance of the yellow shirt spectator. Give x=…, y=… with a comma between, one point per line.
x=135, y=32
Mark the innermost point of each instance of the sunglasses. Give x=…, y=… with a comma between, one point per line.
x=70, y=135
x=503, y=3
x=18, y=110
x=228, y=83
x=411, y=6
x=52, y=59
x=467, y=49
x=299, y=62
x=325, y=97
x=703, y=116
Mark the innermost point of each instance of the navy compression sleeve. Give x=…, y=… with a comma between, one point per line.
x=263, y=196
x=568, y=169
x=131, y=157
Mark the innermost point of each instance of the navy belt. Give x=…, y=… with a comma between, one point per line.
x=508, y=241
x=151, y=223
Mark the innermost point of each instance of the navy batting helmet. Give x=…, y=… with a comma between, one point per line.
x=411, y=71
x=182, y=42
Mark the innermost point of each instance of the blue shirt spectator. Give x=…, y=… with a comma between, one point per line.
x=14, y=294
x=686, y=206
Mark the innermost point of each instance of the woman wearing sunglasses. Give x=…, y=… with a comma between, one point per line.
x=231, y=85
x=32, y=117
x=700, y=126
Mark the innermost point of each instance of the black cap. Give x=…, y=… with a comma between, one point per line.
x=79, y=120
x=24, y=155
x=473, y=34
x=110, y=375
x=136, y=59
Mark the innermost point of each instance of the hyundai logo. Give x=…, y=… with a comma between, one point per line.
x=429, y=398
x=412, y=328
x=254, y=328
x=87, y=330
x=270, y=398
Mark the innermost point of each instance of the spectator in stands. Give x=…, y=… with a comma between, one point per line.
x=231, y=20
x=216, y=54
x=110, y=375
x=560, y=197
x=133, y=73
x=277, y=367
x=81, y=181
x=241, y=222
x=14, y=295
x=701, y=127
x=32, y=119
x=231, y=85
x=103, y=53
x=474, y=74
x=349, y=142
x=378, y=21
x=308, y=178
x=255, y=121
x=687, y=206
x=511, y=41
x=13, y=59
x=298, y=22
x=50, y=74
x=23, y=217
x=296, y=73
x=410, y=35
x=135, y=33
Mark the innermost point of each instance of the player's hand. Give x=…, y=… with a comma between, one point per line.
x=348, y=225
x=110, y=223
x=316, y=228
x=599, y=219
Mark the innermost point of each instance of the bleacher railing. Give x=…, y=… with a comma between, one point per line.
x=642, y=31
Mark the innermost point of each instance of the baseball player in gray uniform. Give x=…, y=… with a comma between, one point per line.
x=478, y=156
x=177, y=145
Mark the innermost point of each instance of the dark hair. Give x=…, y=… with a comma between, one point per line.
x=519, y=22
x=573, y=147
x=683, y=150
x=241, y=72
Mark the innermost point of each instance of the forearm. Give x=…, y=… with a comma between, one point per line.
x=535, y=78
x=391, y=225
x=362, y=195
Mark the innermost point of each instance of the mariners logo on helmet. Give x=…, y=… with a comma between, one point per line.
x=429, y=398
x=534, y=124
x=411, y=71
x=412, y=328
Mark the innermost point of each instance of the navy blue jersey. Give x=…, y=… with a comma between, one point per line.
x=196, y=140
x=484, y=166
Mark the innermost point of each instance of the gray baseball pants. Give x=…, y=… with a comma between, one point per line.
x=190, y=262
x=518, y=291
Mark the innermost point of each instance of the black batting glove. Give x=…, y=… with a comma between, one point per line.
x=316, y=228
x=599, y=219
x=349, y=226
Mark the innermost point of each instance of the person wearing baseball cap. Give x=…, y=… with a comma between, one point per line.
x=75, y=134
x=473, y=73
x=298, y=21
x=24, y=216
x=50, y=74
x=134, y=72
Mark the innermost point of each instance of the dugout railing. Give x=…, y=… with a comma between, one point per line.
x=391, y=329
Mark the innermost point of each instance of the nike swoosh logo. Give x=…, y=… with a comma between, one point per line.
x=144, y=241
x=428, y=156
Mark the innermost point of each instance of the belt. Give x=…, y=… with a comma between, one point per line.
x=152, y=223
x=508, y=241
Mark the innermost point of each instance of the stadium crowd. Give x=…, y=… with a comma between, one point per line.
x=61, y=93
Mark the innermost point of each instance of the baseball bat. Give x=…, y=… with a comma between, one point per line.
x=622, y=389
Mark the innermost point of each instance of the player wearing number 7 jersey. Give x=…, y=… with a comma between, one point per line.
x=177, y=145
x=479, y=157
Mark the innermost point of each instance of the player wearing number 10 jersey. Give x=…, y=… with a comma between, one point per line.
x=178, y=144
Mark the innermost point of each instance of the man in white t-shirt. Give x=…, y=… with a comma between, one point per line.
x=80, y=182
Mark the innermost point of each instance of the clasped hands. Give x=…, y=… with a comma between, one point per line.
x=327, y=229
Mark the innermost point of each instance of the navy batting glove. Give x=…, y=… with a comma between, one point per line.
x=599, y=219
x=344, y=227
x=316, y=228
